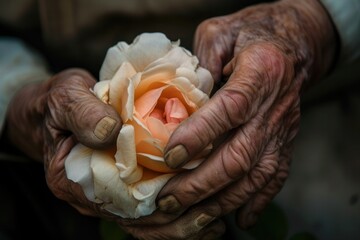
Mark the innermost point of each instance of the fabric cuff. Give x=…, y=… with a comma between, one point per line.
x=19, y=66
x=346, y=17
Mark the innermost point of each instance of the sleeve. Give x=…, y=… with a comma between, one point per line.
x=19, y=66
x=346, y=17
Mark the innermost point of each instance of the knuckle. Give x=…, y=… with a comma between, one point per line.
x=210, y=26
x=237, y=158
x=235, y=105
x=264, y=171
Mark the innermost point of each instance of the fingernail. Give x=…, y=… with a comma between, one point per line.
x=176, y=156
x=104, y=127
x=203, y=219
x=169, y=204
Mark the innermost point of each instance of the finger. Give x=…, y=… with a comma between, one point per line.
x=248, y=215
x=231, y=161
x=195, y=224
x=240, y=192
x=213, y=45
x=256, y=143
x=233, y=105
x=74, y=107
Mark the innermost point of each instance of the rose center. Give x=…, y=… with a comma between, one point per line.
x=174, y=111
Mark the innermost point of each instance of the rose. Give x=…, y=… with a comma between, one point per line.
x=154, y=84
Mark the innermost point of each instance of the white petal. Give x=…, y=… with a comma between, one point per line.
x=206, y=81
x=146, y=192
x=118, y=94
x=114, y=58
x=101, y=90
x=152, y=157
x=77, y=167
x=188, y=73
x=145, y=49
x=125, y=155
x=179, y=57
x=194, y=94
x=108, y=185
x=127, y=111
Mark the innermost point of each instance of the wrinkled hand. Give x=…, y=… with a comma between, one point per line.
x=269, y=53
x=46, y=120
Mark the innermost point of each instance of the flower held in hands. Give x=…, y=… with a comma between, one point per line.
x=154, y=84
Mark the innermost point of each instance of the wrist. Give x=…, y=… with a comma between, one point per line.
x=320, y=35
x=25, y=118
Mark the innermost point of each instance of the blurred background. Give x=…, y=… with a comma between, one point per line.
x=322, y=194
x=320, y=200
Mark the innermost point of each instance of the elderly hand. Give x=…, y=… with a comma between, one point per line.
x=46, y=120
x=268, y=53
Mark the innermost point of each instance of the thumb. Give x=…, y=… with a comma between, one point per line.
x=93, y=123
x=226, y=110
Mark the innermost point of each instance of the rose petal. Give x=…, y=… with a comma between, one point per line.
x=118, y=93
x=148, y=146
x=158, y=129
x=101, y=91
x=77, y=168
x=206, y=81
x=115, y=56
x=188, y=73
x=171, y=127
x=147, y=102
x=175, y=111
x=109, y=187
x=125, y=155
x=146, y=192
x=158, y=114
x=178, y=57
x=196, y=96
x=154, y=163
x=175, y=92
x=145, y=49
x=154, y=78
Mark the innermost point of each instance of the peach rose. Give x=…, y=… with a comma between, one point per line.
x=154, y=84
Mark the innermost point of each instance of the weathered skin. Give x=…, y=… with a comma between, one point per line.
x=46, y=120
x=264, y=56
x=267, y=53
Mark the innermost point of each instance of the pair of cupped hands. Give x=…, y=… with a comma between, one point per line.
x=268, y=53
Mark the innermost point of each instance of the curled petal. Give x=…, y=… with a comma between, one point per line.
x=119, y=94
x=206, y=81
x=175, y=111
x=109, y=187
x=188, y=73
x=178, y=57
x=125, y=155
x=101, y=91
x=114, y=58
x=155, y=77
x=158, y=129
x=146, y=192
x=77, y=167
x=145, y=49
x=147, y=102
x=154, y=163
x=195, y=95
